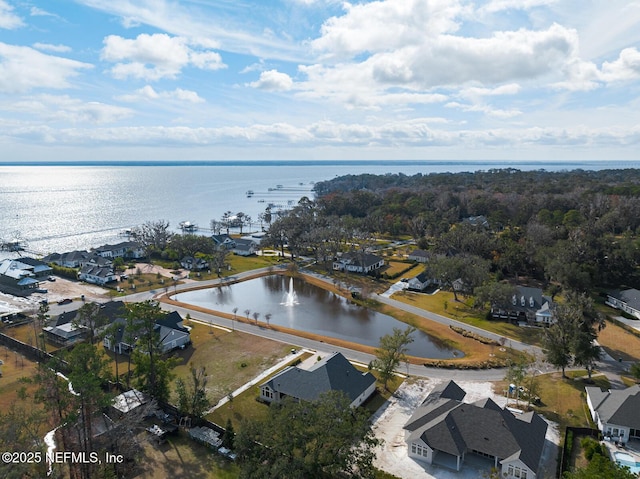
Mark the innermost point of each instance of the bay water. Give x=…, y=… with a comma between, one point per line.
x=65, y=207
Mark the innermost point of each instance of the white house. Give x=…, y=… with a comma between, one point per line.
x=616, y=412
x=627, y=300
x=95, y=274
x=419, y=255
x=358, y=262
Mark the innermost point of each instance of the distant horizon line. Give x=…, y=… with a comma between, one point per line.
x=613, y=164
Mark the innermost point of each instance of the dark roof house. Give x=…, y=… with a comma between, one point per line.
x=444, y=430
x=332, y=373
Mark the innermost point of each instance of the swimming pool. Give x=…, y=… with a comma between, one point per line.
x=625, y=459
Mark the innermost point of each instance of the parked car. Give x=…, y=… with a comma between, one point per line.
x=52, y=278
x=65, y=301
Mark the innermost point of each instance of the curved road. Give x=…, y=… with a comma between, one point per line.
x=608, y=365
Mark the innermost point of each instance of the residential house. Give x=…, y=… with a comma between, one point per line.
x=616, y=412
x=527, y=304
x=421, y=282
x=96, y=274
x=64, y=331
x=419, y=255
x=223, y=241
x=17, y=277
x=358, y=262
x=170, y=328
x=627, y=300
x=40, y=269
x=126, y=250
x=67, y=330
x=332, y=373
x=476, y=221
x=244, y=247
x=194, y=264
x=444, y=430
x=71, y=259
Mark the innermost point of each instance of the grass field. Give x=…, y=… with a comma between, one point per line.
x=231, y=358
x=563, y=400
x=182, y=457
x=444, y=304
x=619, y=342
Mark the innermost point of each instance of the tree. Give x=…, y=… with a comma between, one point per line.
x=153, y=372
x=229, y=435
x=90, y=317
x=153, y=236
x=558, y=338
x=323, y=438
x=391, y=352
x=20, y=430
x=256, y=315
x=635, y=371
x=600, y=467
x=516, y=374
x=192, y=396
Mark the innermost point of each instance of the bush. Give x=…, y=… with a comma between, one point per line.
x=591, y=447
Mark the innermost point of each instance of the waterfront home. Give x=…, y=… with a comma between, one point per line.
x=616, y=412
x=17, y=277
x=244, y=247
x=332, y=373
x=223, y=241
x=40, y=269
x=126, y=250
x=71, y=259
x=446, y=431
x=627, y=300
x=358, y=262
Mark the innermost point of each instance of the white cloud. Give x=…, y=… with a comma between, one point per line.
x=8, y=19
x=39, y=12
x=273, y=80
x=147, y=93
x=152, y=57
x=51, y=108
x=499, y=5
x=625, y=67
x=52, y=48
x=23, y=69
x=383, y=26
x=420, y=132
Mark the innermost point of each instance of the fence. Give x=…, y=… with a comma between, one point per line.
x=569, y=436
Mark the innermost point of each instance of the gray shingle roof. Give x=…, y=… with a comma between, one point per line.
x=629, y=296
x=449, y=425
x=620, y=407
x=332, y=373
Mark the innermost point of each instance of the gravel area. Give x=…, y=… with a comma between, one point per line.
x=388, y=422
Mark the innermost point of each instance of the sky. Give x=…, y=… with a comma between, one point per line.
x=319, y=79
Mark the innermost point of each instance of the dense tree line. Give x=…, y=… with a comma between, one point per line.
x=578, y=229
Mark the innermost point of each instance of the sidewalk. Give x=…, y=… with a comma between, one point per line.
x=281, y=364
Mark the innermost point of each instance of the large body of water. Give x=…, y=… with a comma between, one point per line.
x=67, y=207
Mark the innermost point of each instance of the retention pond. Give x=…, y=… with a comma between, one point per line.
x=302, y=306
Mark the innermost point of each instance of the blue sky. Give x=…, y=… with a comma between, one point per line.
x=319, y=79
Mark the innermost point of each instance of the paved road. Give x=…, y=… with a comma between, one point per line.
x=608, y=365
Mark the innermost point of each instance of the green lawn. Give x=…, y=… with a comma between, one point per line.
x=444, y=304
x=563, y=400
